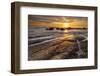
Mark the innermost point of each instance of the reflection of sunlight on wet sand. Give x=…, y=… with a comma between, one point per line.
x=65, y=31
x=68, y=36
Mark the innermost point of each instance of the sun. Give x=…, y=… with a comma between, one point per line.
x=65, y=25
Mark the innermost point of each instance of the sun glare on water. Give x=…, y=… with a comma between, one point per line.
x=65, y=25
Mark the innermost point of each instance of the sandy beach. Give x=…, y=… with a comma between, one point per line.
x=51, y=45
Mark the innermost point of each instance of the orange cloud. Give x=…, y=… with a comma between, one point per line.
x=54, y=21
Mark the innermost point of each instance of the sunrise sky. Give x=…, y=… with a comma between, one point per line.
x=58, y=21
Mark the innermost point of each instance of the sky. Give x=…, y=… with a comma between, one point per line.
x=58, y=21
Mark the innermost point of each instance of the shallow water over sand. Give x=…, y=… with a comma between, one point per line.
x=49, y=45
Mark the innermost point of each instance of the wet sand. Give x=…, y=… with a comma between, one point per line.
x=53, y=46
